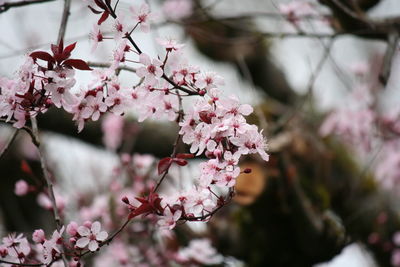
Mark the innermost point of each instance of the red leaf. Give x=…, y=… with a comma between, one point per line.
x=42, y=55
x=94, y=10
x=103, y=17
x=164, y=165
x=141, y=200
x=26, y=168
x=205, y=117
x=69, y=48
x=180, y=162
x=184, y=156
x=77, y=64
x=54, y=49
x=142, y=209
x=100, y=4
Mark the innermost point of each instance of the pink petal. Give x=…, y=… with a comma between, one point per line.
x=83, y=231
x=82, y=242
x=93, y=245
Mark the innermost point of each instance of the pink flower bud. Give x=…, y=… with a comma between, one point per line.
x=38, y=236
x=72, y=228
x=88, y=224
x=21, y=188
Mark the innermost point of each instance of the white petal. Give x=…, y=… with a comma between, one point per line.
x=96, y=226
x=82, y=242
x=93, y=245
x=102, y=236
x=83, y=231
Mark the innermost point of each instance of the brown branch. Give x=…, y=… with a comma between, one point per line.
x=393, y=40
x=49, y=184
x=6, y=6
x=26, y=129
x=9, y=143
x=64, y=20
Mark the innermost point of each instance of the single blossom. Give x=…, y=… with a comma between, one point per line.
x=91, y=237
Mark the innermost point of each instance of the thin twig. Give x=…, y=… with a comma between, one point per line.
x=314, y=75
x=64, y=20
x=393, y=40
x=6, y=6
x=25, y=128
x=9, y=143
x=49, y=184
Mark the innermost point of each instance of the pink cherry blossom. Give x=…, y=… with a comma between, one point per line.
x=91, y=237
x=168, y=221
x=151, y=69
x=142, y=16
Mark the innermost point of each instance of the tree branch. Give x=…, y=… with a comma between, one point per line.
x=49, y=184
x=8, y=144
x=6, y=6
x=64, y=20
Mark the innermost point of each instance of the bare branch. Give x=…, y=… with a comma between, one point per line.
x=64, y=20
x=8, y=144
x=393, y=40
x=49, y=184
x=6, y=6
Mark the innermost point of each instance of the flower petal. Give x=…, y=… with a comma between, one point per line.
x=93, y=245
x=82, y=242
x=83, y=231
x=96, y=226
x=102, y=236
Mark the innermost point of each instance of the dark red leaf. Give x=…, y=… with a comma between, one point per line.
x=142, y=209
x=184, y=156
x=54, y=49
x=204, y=116
x=141, y=200
x=180, y=162
x=94, y=10
x=69, y=48
x=103, y=17
x=108, y=2
x=77, y=64
x=164, y=164
x=100, y=4
x=42, y=55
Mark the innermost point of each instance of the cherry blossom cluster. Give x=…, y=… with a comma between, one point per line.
x=213, y=125
x=42, y=250
x=42, y=81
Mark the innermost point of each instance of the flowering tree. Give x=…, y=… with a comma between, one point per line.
x=132, y=219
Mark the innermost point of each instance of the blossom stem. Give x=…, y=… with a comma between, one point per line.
x=49, y=184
